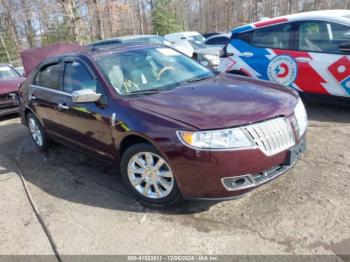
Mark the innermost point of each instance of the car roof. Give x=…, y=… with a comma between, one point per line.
x=119, y=39
x=113, y=39
x=228, y=35
x=135, y=37
x=337, y=16
x=103, y=50
x=185, y=33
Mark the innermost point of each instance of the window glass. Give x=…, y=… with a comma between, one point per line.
x=196, y=38
x=148, y=69
x=7, y=72
x=339, y=33
x=217, y=41
x=322, y=36
x=77, y=77
x=246, y=37
x=50, y=77
x=277, y=36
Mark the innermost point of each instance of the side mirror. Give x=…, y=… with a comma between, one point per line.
x=85, y=96
x=224, y=54
x=344, y=47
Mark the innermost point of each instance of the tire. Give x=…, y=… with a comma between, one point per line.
x=143, y=178
x=37, y=133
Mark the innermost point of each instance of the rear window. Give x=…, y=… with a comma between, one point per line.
x=221, y=40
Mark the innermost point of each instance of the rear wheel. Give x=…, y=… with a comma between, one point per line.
x=37, y=132
x=149, y=176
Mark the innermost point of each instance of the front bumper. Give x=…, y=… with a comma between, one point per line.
x=254, y=180
x=213, y=175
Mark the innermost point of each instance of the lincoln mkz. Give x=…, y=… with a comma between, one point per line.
x=175, y=128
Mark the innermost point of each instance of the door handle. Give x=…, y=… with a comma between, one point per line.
x=62, y=107
x=303, y=59
x=32, y=97
x=247, y=54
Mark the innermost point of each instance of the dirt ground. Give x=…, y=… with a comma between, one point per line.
x=88, y=211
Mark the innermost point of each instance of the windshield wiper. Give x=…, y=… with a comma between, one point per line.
x=198, y=79
x=147, y=91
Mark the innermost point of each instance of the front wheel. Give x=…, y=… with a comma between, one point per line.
x=37, y=132
x=149, y=176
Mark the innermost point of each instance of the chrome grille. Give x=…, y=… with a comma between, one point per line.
x=272, y=136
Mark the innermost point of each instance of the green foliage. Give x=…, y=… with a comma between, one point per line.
x=164, y=22
x=58, y=33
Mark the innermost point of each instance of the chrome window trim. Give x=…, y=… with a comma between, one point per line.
x=52, y=90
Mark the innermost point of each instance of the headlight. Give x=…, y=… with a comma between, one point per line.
x=216, y=140
x=301, y=117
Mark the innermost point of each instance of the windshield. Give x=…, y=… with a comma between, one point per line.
x=151, y=69
x=197, y=38
x=196, y=44
x=7, y=72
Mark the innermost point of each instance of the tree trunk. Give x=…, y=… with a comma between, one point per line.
x=13, y=29
x=140, y=16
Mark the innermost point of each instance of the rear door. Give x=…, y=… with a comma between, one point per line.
x=45, y=94
x=323, y=67
x=87, y=125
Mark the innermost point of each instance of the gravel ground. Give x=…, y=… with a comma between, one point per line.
x=88, y=211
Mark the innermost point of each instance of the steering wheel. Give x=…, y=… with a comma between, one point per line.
x=167, y=68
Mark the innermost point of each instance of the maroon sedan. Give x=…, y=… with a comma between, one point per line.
x=10, y=80
x=175, y=128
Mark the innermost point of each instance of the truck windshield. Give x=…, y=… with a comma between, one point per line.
x=149, y=70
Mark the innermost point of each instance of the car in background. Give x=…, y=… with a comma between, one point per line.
x=20, y=70
x=182, y=45
x=309, y=52
x=207, y=35
x=149, y=39
x=10, y=80
x=209, y=53
x=175, y=128
x=218, y=40
x=190, y=36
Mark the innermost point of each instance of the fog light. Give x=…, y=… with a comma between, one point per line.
x=238, y=183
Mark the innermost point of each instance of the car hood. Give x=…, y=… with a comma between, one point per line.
x=221, y=102
x=10, y=85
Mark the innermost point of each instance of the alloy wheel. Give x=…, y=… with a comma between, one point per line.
x=150, y=175
x=35, y=132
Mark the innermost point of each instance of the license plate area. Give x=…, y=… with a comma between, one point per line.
x=295, y=153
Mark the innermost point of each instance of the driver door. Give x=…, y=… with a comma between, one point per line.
x=86, y=125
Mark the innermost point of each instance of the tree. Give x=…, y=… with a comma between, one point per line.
x=163, y=21
x=72, y=17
